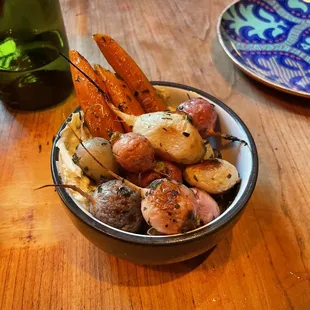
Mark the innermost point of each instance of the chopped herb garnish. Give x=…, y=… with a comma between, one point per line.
x=160, y=166
x=124, y=191
x=121, y=107
x=145, y=91
x=194, y=176
x=104, y=143
x=167, y=118
x=99, y=189
x=155, y=183
x=136, y=94
x=165, y=129
x=177, y=206
x=174, y=193
x=118, y=76
x=75, y=158
x=234, y=139
x=110, y=132
x=191, y=216
x=185, y=134
x=188, y=118
x=229, y=176
x=106, y=97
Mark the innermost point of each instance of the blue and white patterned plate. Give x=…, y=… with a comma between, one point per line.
x=270, y=41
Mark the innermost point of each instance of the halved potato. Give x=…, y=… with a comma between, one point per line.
x=215, y=176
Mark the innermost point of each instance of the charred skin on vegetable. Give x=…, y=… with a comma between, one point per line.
x=119, y=93
x=126, y=67
x=98, y=116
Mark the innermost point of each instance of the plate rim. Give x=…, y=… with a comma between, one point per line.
x=162, y=240
x=243, y=68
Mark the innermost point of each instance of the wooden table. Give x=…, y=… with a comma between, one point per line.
x=45, y=263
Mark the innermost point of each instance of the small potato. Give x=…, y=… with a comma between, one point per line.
x=100, y=148
x=215, y=176
x=134, y=152
x=202, y=113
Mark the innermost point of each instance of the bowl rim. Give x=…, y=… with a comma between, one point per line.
x=164, y=240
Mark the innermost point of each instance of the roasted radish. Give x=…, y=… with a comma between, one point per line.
x=207, y=209
x=202, y=112
x=134, y=152
x=161, y=169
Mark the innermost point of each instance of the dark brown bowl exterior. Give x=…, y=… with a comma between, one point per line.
x=152, y=254
x=148, y=250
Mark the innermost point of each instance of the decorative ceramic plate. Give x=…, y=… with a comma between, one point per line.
x=270, y=41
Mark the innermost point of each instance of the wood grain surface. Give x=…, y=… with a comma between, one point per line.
x=45, y=263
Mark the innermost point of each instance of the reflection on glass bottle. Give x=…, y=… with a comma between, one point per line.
x=32, y=73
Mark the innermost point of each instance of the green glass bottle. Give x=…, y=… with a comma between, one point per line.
x=32, y=73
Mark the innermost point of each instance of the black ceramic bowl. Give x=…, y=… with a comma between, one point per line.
x=154, y=250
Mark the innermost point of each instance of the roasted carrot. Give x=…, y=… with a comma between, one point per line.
x=119, y=93
x=127, y=69
x=100, y=120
